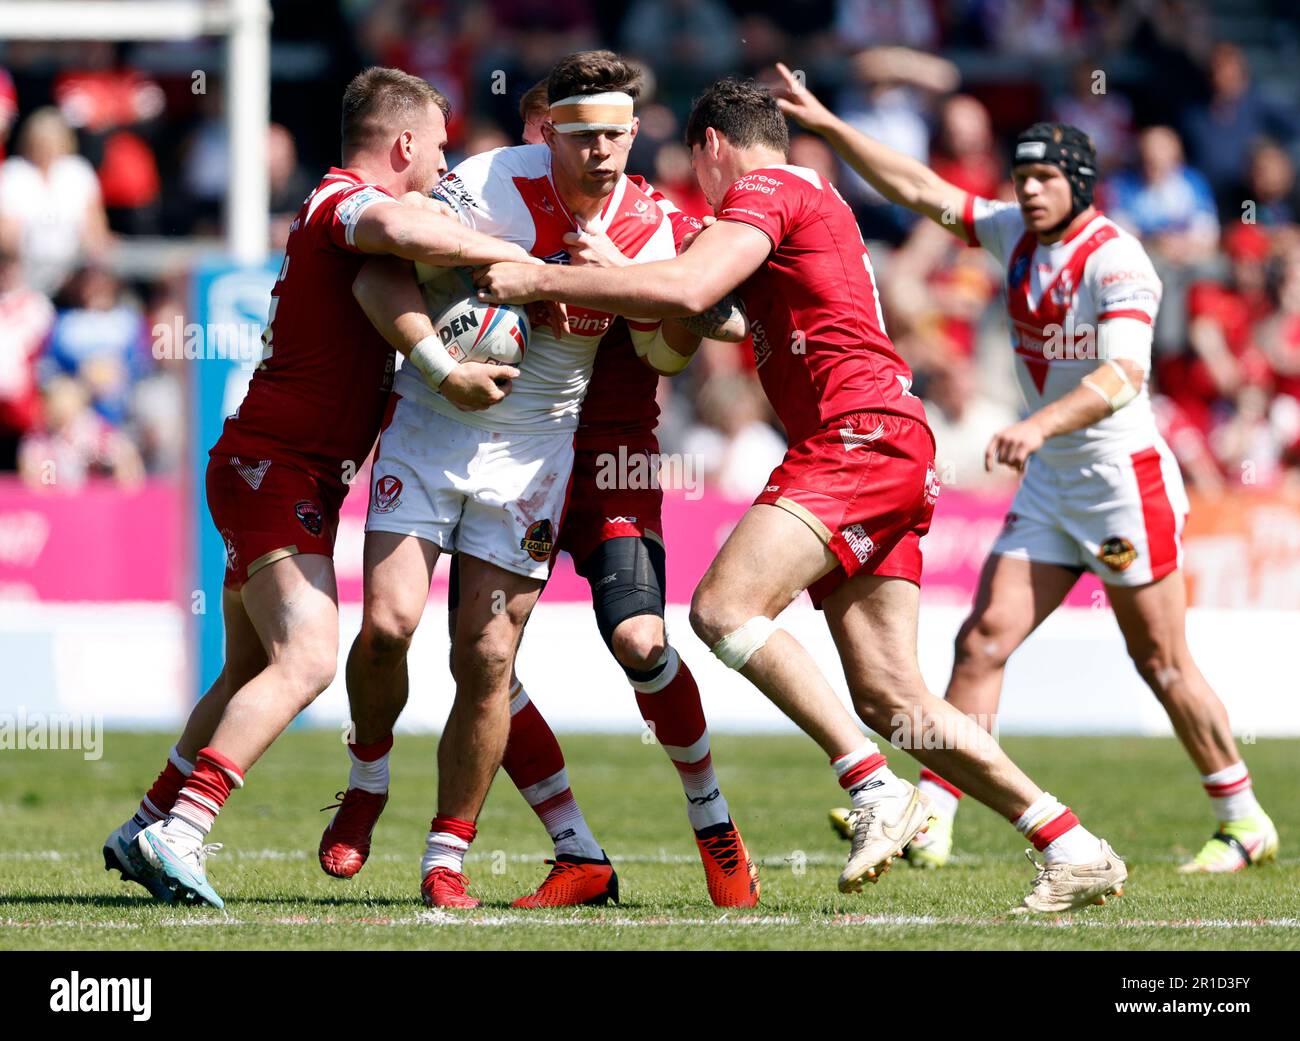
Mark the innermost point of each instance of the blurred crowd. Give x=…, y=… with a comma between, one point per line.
x=1197, y=131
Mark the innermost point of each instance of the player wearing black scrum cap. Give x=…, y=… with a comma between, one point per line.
x=1101, y=490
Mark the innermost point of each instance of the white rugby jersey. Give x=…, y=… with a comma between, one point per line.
x=1058, y=296
x=509, y=193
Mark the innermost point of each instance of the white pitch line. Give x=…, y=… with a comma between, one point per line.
x=495, y=920
x=487, y=856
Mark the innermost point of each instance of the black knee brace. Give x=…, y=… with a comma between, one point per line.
x=627, y=579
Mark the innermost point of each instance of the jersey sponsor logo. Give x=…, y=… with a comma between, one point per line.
x=253, y=473
x=857, y=539
x=388, y=494
x=1018, y=270
x=232, y=552
x=620, y=520
x=451, y=190
x=757, y=182
x=852, y=439
x=1117, y=553
x=310, y=515
x=932, y=485
x=1123, y=276
x=350, y=209
x=538, y=540
x=762, y=348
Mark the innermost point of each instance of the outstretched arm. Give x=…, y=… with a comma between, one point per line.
x=724, y=256
x=899, y=178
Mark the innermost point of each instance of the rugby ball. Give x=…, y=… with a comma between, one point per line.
x=496, y=334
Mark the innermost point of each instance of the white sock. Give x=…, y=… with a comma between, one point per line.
x=442, y=849
x=706, y=806
x=1046, y=816
x=185, y=831
x=369, y=776
x=866, y=776
x=943, y=802
x=1231, y=794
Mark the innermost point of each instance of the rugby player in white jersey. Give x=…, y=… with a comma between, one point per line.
x=1101, y=490
x=491, y=486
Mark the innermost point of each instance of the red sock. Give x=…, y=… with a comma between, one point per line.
x=159, y=800
x=535, y=764
x=207, y=789
x=670, y=705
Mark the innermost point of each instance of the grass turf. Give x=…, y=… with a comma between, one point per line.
x=56, y=808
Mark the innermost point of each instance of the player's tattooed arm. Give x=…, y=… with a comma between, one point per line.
x=725, y=320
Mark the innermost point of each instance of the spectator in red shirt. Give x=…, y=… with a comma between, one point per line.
x=1223, y=358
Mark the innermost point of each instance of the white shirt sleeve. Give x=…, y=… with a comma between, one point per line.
x=995, y=226
x=482, y=193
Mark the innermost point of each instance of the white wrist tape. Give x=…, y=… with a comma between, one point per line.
x=432, y=359
x=736, y=648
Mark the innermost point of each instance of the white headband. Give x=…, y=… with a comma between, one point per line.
x=582, y=112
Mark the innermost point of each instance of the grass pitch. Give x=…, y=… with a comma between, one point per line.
x=1142, y=794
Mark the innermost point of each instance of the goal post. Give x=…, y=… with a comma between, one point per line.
x=245, y=26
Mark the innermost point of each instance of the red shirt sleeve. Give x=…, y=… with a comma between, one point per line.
x=343, y=210
x=769, y=200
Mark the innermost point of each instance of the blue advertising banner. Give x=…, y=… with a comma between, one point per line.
x=228, y=308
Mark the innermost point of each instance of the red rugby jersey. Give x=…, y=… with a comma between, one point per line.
x=318, y=397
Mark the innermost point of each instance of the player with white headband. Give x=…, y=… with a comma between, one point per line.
x=1101, y=491
x=491, y=486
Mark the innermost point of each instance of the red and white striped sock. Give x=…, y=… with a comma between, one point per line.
x=447, y=844
x=944, y=797
x=159, y=800
x=1056, y=832
x=866, y=776
x=206, y=791
x=370, y=765
x=669, y=700
x=535, y=764
x=1231, y=793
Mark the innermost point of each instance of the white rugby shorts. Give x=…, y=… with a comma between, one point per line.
x=493, y=495
x=1121, y=517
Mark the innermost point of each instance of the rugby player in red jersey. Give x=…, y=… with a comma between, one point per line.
x=281, y=469
x=1101, y=489
x=843, y=514
x=614, y=535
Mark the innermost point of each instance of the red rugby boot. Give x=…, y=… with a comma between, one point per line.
x=574, y=881
x=443, y=887
x=731, y=874
x=345, y=845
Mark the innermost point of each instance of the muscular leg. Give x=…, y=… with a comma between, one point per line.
x=1013, y=599
x=873, y=621
x=397, y=570
x=245, y=658
x=1153, y=620
x=747, y=580
x=293, y=606
x=494, y=606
